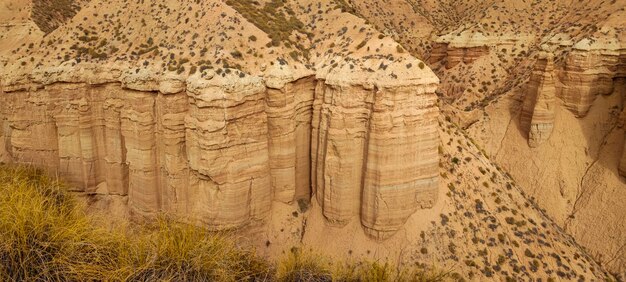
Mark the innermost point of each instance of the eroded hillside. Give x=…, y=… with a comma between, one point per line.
x=548, y=75
x=298, y=121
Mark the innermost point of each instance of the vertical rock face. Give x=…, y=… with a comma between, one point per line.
x=227, y=151
x=220, y=150
x=401, y=159
x=539, y=102
x=340, y=129
x=466, y=55
x=621, y=74
x=587, y=73
x=622, y=161
x=374, y=150
x=463, y=46
x=289, y=114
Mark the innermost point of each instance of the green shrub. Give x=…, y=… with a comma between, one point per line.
x=455, y=160
x=362, y=44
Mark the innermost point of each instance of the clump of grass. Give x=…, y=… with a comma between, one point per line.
x=47, y=237
x=41, y=229
x=305, y=265
x=364, y=271
x=301, y=265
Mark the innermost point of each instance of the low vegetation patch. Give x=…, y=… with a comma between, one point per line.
x=46, y=236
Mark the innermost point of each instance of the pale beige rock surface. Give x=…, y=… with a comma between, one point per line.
x=575, y=174
x=537, y=117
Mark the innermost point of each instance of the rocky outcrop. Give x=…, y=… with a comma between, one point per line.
x=537, y=116
x=374, y=149
x=455, y=55
x=622, y=121
x=468, y=46
x=289, y=109
x=589, y=71
x=219, y=149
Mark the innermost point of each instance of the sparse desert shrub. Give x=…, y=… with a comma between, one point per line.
x=274, y=18
x=510, y=220
x=455, y=160
x=302, y=265
x=363, y=271
x=444, y=219
x=236, y=54
x=362, y=44
x=303, y=205
x=375, y=271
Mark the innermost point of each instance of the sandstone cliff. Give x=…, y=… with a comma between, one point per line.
x=220, y=149
x=460, y=46
x=569, y=115
x=589, y=71
x=219, y=130
x=537, y=115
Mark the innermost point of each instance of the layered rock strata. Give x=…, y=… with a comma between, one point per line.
x=374, y=149
x=466, y=46
x=589, y=71
x=537, y=116
x=455, y=55
x=220, y=149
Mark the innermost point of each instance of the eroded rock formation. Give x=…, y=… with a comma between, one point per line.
x=220, y=149
x=539, y=102
x=455, y=55
x=373, y=149
x=589, y=71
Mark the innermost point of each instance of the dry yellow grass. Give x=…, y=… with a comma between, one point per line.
x=46, y=236
x=306, y=265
